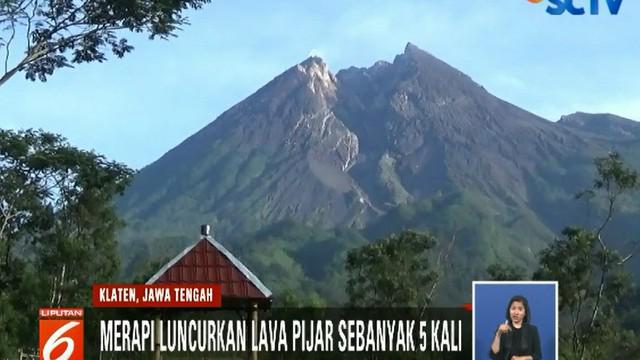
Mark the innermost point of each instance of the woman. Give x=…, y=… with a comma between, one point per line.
x=516, y=339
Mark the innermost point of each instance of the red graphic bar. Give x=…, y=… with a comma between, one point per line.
x=157, y=296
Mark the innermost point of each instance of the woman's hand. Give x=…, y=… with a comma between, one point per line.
x=521, y=357
x=503, y=328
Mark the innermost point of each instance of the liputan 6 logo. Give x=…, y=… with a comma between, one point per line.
x=61, y=334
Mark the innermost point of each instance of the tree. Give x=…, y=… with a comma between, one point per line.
x=57, y=226
x=590, y=273
x=58, y=33
x=392, y=272
x=500, y=272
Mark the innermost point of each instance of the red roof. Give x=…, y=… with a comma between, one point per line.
x=208, y=261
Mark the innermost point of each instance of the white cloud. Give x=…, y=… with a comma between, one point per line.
x=316, y=52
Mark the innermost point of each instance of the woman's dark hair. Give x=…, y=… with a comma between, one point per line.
x=525, y=303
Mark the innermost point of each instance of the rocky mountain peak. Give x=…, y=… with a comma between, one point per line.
x=411, y=49
x=321, y=80
x=603, y=125
x=430, y=76
x=422, y=57
x=313, y=61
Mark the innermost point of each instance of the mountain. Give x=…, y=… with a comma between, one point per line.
x=411, y=143
x=606, y=125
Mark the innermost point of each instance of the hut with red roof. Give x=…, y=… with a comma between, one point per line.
x=207, y=261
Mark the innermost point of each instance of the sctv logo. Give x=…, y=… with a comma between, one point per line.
x=558, y=7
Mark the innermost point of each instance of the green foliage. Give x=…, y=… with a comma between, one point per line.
x=569, y=261
x=61, y=33
x=591, y=274
x=614, y=176
x=610, y=340
x=57, y=227
x=148, y=269
x=302, y=265
x=393, y=272
x=251, y=169
x=500, y=272
x=292, y=299
x=485, y=232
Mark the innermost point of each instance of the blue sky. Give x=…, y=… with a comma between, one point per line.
x=135, y=109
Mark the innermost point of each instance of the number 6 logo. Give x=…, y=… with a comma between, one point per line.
x=61, y=340
x=55, y=340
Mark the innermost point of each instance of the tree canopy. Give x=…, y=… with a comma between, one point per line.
x=591, y=274
x=392, y=272
x=51, y=34
x=57, y=228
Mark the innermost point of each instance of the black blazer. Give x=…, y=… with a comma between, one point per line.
x=530, y=342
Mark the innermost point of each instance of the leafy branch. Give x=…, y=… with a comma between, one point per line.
x=59, y=33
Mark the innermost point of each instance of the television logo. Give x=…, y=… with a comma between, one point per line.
x=558, y=7
x=61, y=334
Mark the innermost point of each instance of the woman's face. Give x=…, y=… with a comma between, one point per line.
x=517, y=312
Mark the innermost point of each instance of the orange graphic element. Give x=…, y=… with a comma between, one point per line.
x=535, y=1
x=61, y=339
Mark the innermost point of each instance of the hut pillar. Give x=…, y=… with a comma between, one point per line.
x=253, y=316
x=156, y=337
